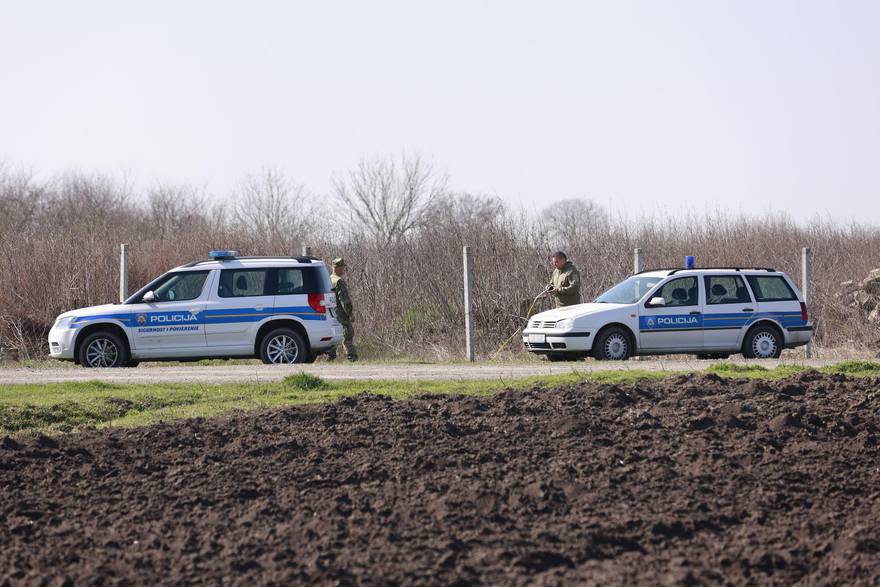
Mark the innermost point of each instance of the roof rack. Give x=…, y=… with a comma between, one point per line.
x=677, y=269
x=658, y=269
x=297, y=258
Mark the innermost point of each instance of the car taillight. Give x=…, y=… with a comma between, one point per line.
x=803, y=311
x=316, y=302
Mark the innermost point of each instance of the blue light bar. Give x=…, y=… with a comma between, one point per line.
x=222, y=255
x=690, y=262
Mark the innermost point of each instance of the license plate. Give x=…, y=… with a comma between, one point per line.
x=537, y=338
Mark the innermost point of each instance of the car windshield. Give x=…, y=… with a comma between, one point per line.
x=629, y=291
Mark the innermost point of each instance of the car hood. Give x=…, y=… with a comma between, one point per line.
x=97, y=311
x=575, y=311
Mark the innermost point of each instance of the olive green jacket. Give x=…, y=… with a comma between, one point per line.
x=344, y=309
x=567, y=282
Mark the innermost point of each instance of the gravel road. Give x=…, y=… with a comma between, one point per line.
x=157, y=373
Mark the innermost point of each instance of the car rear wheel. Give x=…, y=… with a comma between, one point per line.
x=283, y=346
x=762, y=342
x=103, y=349
x=613, y=344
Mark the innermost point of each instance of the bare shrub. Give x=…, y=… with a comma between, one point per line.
x=175, y=210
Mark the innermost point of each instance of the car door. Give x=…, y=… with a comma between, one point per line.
x=678, y=324
x=243, y=297
x=173, y=321
x=729, y=307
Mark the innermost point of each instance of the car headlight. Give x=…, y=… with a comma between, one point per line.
x=64, y=322
x=565, y=324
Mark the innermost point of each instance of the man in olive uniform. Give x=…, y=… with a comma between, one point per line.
x=565, y=284
x=344, y=310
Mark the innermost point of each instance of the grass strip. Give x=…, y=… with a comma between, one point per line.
x=53, y=408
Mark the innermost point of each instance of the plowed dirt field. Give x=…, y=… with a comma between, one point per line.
x=690, y=480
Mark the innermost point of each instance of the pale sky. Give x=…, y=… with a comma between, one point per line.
x=677, y=105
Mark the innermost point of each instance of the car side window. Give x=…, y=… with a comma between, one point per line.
x=726, y=289
x=679, y=292
x=771, y=288
x=240, y=283
x=180, y=287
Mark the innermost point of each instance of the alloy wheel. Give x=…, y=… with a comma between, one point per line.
x=102, y=352
x=282, y=349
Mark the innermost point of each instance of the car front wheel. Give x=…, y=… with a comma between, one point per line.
x=283, y=346
x=103, y=349
x=613, y=344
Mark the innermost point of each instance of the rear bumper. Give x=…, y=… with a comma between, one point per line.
x=327, y=337
x=798, y=336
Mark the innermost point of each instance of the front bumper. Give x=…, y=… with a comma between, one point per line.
x=61, y=341
x=539, y=340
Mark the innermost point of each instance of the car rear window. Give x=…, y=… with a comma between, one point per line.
x=303, y=280
x=771, y=288
x=282, y=281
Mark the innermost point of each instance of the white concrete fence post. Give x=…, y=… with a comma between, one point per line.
x=123, y=272
x=638, y=266
x=306, y=251
x=806, y=289
x=469, y=304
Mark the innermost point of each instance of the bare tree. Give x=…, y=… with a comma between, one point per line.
x=573, y=220
x=389, y=199
x=174, y=209
x=464, y=210
x=274, y=209
x=21, y=199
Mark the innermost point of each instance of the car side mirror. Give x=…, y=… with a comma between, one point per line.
x=149, y=297
x=658, y=301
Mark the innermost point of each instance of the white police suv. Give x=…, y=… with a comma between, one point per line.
x=280, y=309
x=711, y=312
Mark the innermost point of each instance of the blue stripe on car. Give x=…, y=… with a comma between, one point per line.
x=214, y=316
x=667, y=322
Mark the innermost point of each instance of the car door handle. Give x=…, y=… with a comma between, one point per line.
x=695, y=313
x=194, y=311
x=748, y=310
x=260, y=308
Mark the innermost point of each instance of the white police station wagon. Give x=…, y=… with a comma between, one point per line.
x=280, y=309
x=711, y=312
